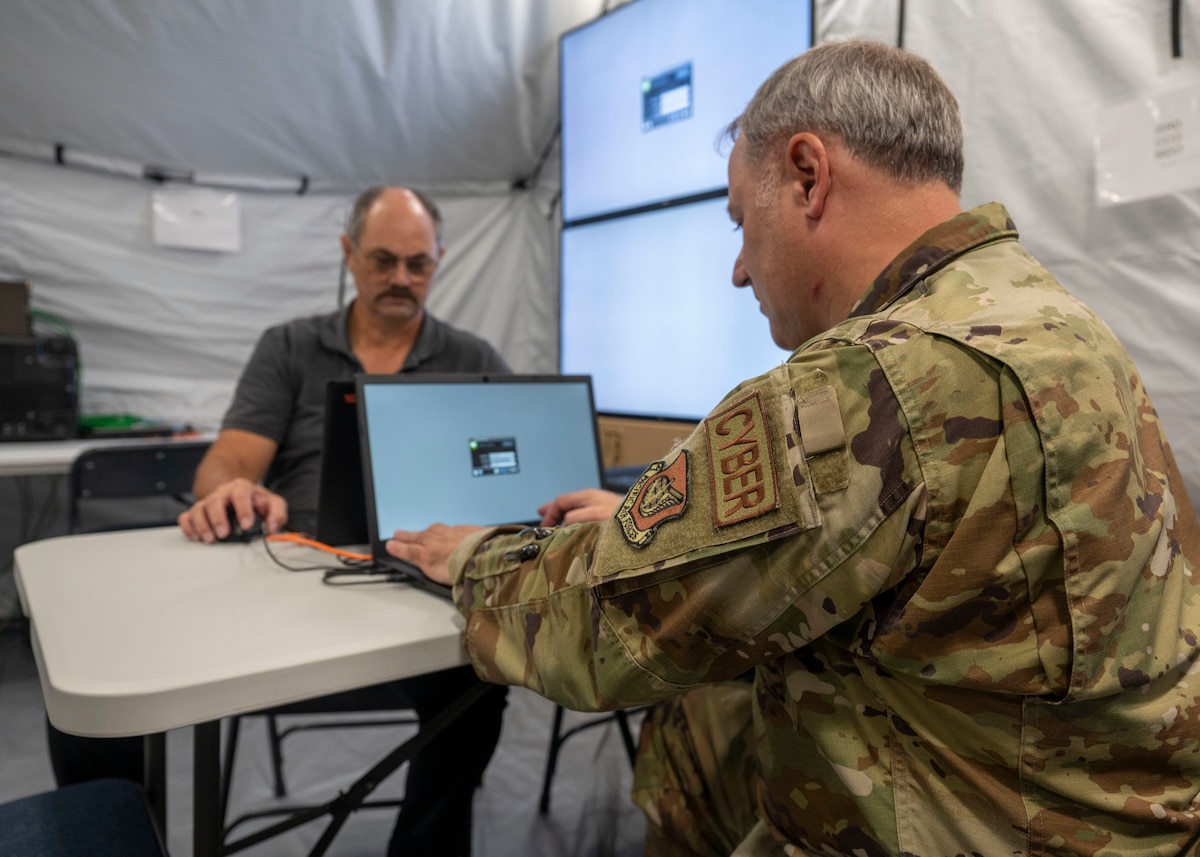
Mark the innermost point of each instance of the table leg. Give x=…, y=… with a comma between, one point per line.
x=154, y=778
x=355, y=797
x=206, y=788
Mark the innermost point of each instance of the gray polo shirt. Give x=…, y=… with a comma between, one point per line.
x=281, y=392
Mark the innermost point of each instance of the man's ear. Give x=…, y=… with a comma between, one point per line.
x=346, y=246
x=808, y=171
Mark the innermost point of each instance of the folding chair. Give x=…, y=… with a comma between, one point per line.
x=132, y=485
x=558, y=737
x=371, y=699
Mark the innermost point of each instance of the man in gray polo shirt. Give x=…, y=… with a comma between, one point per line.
x=265, y=462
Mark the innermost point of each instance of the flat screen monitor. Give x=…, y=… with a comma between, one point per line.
x=647, y=90
x=648, y=309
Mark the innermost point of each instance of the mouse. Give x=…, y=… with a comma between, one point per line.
x=237, y=533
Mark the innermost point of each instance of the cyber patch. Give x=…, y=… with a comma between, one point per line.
x=743, y=462
x=659, y=495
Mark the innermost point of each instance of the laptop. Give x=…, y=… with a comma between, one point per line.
x=341, y=499
x=470, y=449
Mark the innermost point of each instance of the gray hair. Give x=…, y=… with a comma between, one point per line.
x=364, y=201
x=888, y=107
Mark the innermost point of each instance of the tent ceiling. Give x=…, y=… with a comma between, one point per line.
x=436, y=92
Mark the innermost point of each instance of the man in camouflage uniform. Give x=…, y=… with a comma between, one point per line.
x=947, y=537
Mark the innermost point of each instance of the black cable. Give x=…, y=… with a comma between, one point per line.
x=341, y=293
x=900, y=26
x=1176, y=34
x=530, y=181
x=266, y=543
x=32, y=524
x=49, y=509
x=24, y=502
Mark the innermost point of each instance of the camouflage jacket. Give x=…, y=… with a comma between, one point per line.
x=949, y=538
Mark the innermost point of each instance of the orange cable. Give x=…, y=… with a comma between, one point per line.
x=296, y=538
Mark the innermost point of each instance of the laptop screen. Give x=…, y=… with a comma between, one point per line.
x=472, y=449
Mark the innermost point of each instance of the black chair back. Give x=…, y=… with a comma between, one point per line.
x=145, y=484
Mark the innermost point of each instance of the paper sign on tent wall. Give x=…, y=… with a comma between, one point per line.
x=1149, y=147
x=196, y=218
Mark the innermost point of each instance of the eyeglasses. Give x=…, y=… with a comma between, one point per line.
x=419, y=266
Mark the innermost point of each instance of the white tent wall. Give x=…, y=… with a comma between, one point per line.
x=163, y=332
x=459, y=97
x=446, y=92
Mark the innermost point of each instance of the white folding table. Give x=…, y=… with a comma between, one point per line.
x=142, y=631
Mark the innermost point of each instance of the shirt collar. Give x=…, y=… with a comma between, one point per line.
x=939, y=245
x=430, y=339
x=334, y=334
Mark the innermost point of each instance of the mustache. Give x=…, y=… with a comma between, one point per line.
x=398, y=292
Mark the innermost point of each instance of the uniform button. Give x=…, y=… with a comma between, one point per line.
x=524, y=553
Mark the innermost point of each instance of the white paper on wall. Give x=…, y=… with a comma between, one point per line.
x=196, y=218
x=1148, y=148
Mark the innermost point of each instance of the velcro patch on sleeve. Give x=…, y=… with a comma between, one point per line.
x=742, y=462
x=820, y=421
x=659, y=495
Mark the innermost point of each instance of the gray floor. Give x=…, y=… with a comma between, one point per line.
x=590, y=813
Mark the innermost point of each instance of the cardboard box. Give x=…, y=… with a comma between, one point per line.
x=627, y=441
x=14, y=309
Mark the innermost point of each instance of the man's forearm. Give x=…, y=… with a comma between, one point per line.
x=234, y=454
x=215, y=470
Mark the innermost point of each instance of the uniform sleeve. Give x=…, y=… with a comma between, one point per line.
x=263, y=400
x=793, y=504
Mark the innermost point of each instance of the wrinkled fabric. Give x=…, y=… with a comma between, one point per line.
x=950, y=539
x=695, y=762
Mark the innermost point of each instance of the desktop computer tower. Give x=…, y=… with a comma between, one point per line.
x=39, y=388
